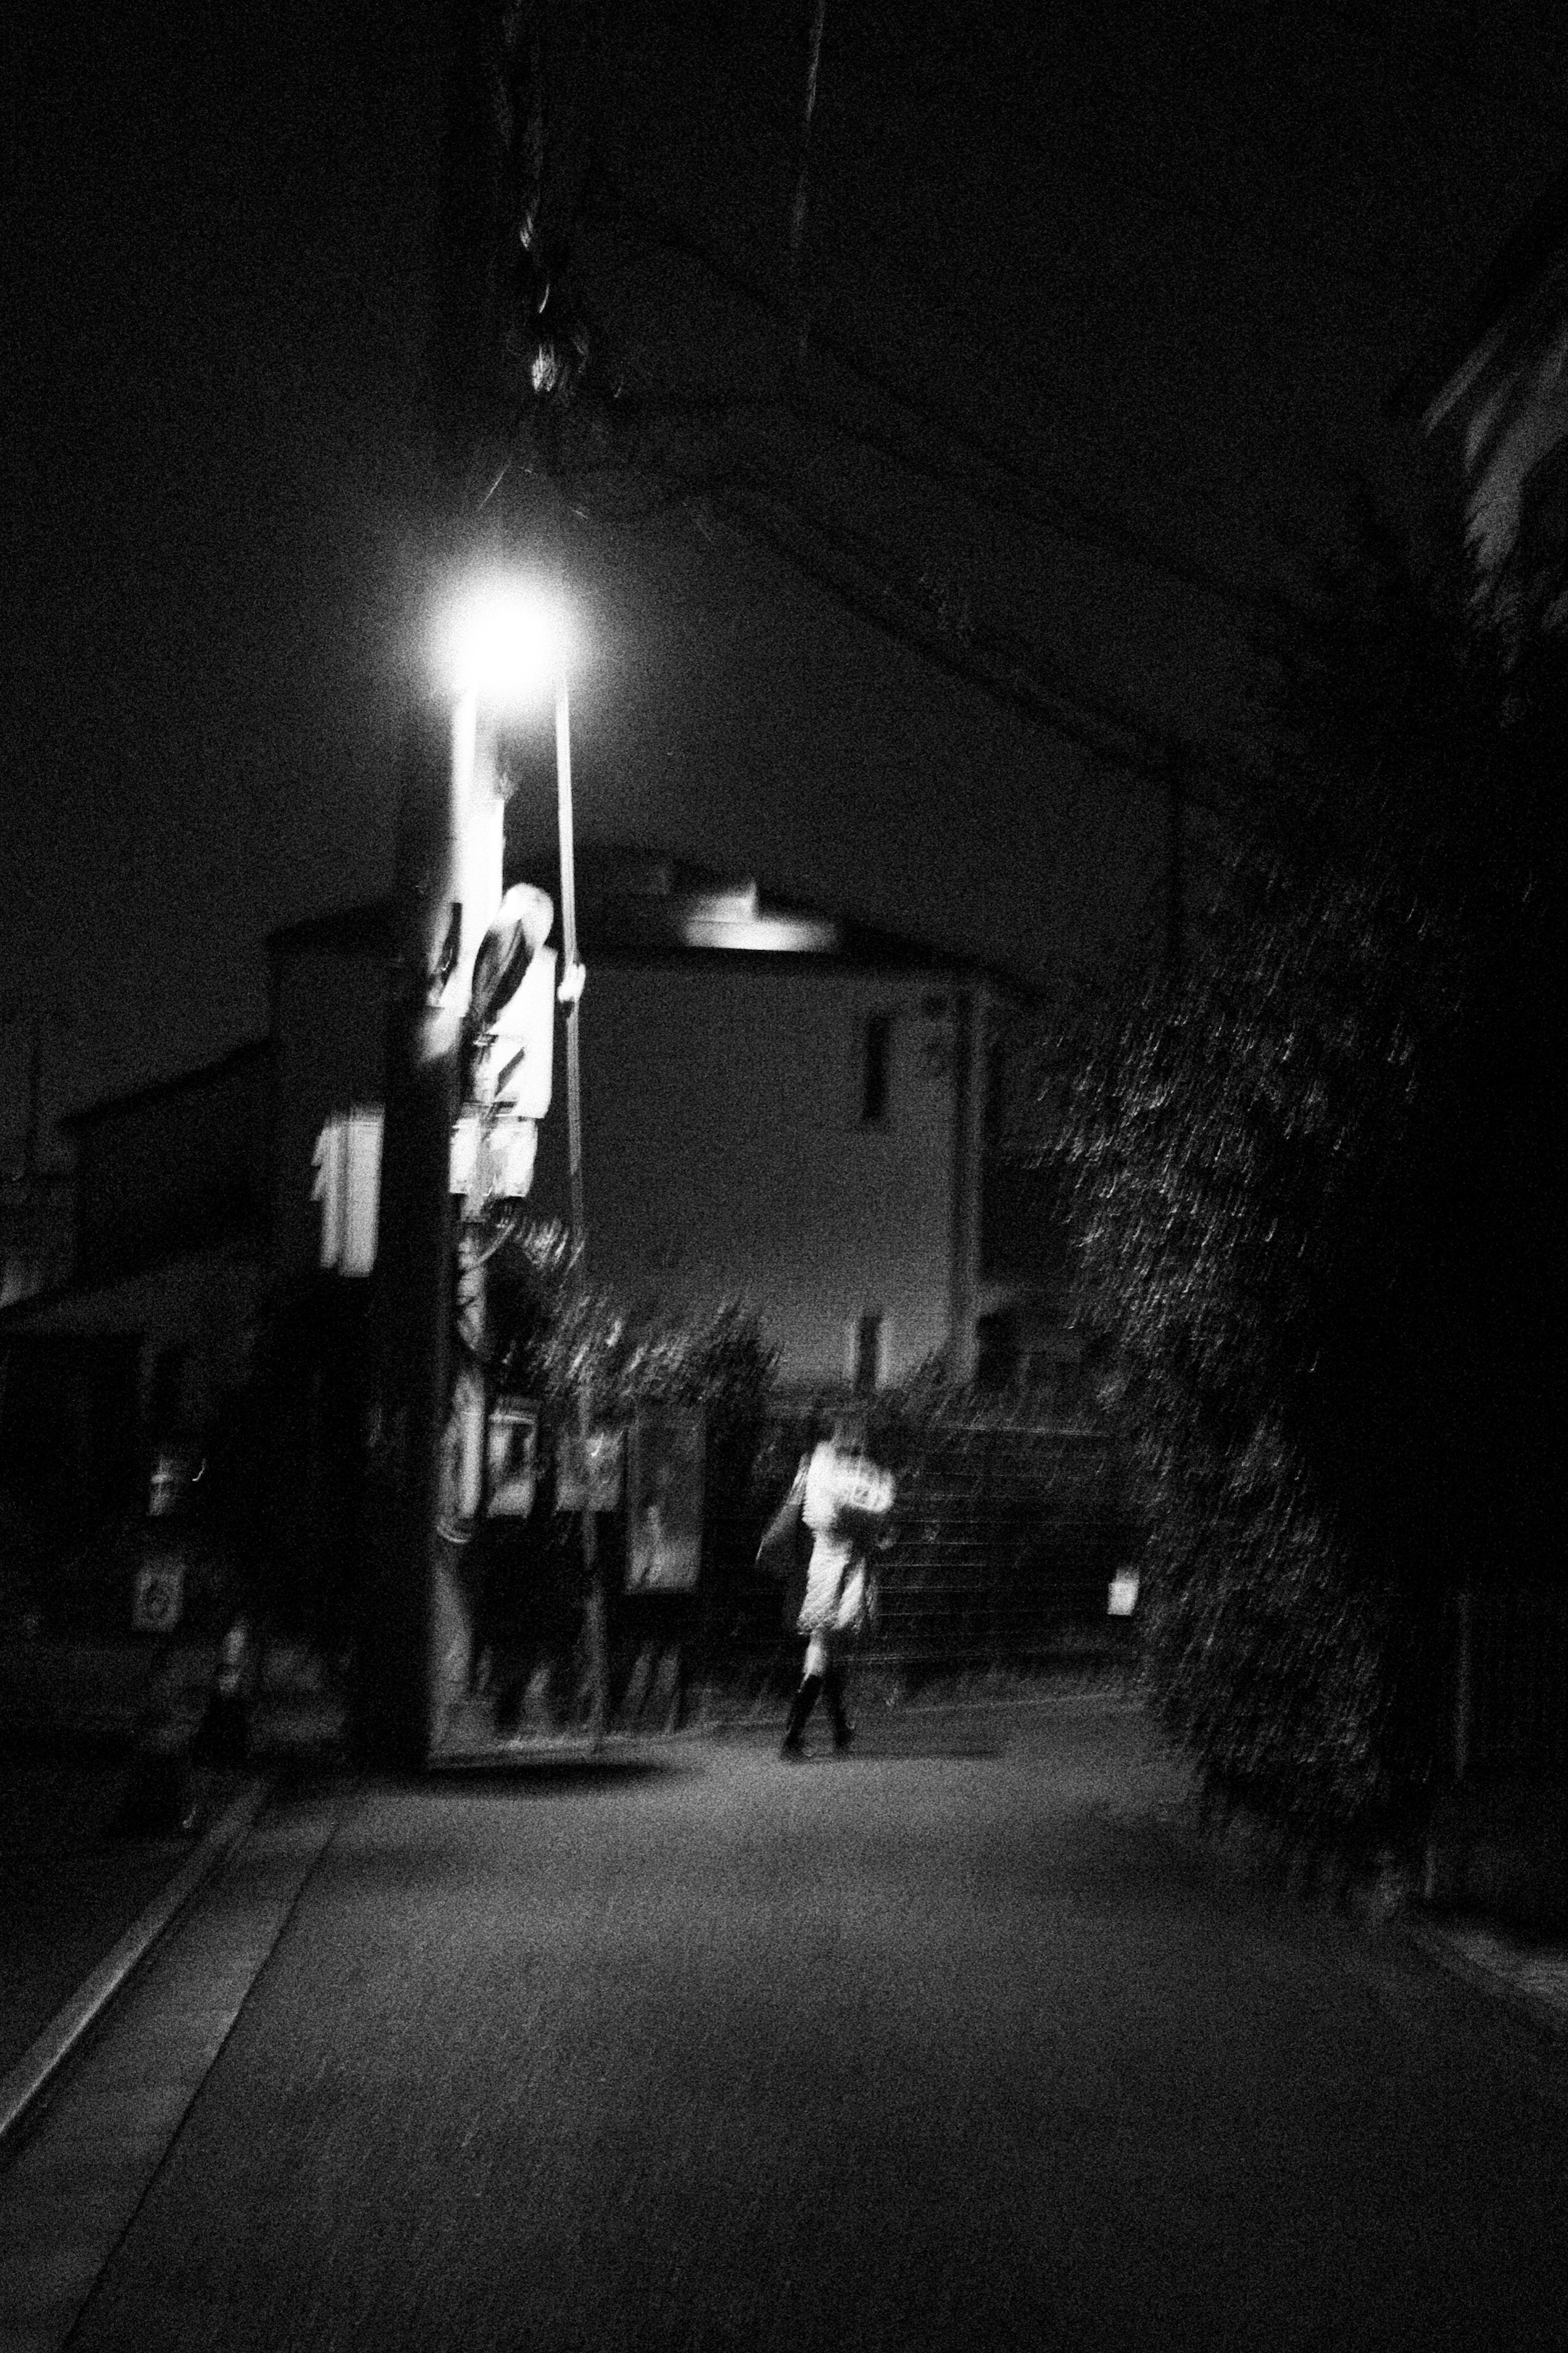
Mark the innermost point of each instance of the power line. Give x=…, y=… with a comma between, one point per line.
x=1095, y=528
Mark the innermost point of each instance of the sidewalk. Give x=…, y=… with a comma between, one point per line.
x=159, y=2011
x=109, y=1691
x=1529, y=1974
x=72, y=1880
x=91, y=1874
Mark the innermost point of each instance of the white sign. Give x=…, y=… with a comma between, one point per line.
x=347, y=1162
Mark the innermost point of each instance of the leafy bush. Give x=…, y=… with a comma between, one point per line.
x=1309, y=1176
x=549, y=1339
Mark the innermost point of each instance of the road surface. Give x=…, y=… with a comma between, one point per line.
x=964, y=2040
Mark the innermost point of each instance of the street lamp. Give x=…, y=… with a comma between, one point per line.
x=499, y=646
x=507, y=642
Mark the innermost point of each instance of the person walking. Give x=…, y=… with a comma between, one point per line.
x=844, y=1506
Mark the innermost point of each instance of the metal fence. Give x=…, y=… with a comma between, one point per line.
x=1003, y=1548
x=1004, y=1542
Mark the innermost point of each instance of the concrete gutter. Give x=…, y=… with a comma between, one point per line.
x=39, y=2068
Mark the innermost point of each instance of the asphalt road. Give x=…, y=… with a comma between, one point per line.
x=962, y=2041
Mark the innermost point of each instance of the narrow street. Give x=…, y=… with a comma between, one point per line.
x=961, y=2041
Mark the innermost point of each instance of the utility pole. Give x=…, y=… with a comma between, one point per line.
x=398, y=1686
x=504, y=337
x=427, y=1414
x=413, y=1617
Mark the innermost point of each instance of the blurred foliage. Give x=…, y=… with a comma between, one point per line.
x=1314, y=1177
x=1007, y=1527
x=549, y=1339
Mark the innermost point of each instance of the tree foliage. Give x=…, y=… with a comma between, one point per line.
x=1314, y=1177
x=552, y=1339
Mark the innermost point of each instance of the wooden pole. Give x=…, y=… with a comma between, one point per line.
x=412, y=1296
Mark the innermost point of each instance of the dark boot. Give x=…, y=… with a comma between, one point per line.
x=833, y=1696
x=804, y=1701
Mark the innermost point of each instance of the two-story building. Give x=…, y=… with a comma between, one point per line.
x=779, y=1106
x=776, y=1105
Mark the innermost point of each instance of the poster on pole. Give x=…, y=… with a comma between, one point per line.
x=664, y=1522
x=602, y=1489
x=512, y=1461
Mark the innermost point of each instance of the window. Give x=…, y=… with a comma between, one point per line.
x=876, y=1068
x=867, y=1336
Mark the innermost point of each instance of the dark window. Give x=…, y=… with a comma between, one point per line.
x=996, y=1350
x=876, y=1051
x=868, y=1353
x=68, y=1431
x=167, y=1394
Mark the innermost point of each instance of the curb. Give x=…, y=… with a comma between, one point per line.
x=39, y=2068
x=1548, y=2016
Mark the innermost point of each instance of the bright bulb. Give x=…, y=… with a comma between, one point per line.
x=505, y=642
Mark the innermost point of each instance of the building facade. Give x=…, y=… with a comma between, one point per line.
x=776, y=1107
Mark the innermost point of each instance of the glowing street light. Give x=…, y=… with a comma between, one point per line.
x=505, y=643
x=498, y=647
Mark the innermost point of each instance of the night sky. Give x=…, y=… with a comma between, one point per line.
x=1127, y=285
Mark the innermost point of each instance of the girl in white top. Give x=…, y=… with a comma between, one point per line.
x=847, y=1502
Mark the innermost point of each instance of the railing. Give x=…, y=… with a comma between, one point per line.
x=1004, y=1544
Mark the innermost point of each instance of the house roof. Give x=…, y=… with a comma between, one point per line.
x=241, y=1059
x=240, y=1247
x=365, y=930
x=633, y=906
x=640, y=906
x=1484, y=306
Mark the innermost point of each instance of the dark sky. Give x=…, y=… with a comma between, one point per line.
x=1167, y=261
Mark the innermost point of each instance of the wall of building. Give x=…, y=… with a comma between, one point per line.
x=161, y=1172
x=193, y=1318
x=37, y=1239
x=726, y=1151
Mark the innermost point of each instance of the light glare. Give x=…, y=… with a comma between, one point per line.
x=505, y=642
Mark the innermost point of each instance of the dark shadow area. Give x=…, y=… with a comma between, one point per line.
x=524, y=1773
x=873, y=1743
x=891, y=1750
